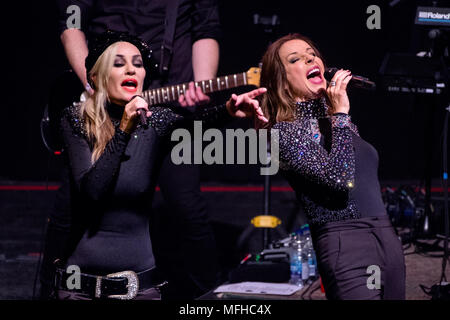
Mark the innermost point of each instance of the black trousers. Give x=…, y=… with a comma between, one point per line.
x=56, y=237
x=350, y=253
x=183, y=241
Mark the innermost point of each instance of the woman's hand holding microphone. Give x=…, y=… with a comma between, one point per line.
x=132, y=114
x=337, y=91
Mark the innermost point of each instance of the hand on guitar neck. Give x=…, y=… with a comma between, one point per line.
x=193, y=96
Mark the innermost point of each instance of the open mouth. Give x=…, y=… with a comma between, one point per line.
x=129, y=85
x=314, y=76
x=313, y=73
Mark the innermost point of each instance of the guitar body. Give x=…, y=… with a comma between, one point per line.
x=65, y=90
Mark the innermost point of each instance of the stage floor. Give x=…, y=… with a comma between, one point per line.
x=24, y=208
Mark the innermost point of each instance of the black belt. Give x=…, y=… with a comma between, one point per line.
x=122, y=285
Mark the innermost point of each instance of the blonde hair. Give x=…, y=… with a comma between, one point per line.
x=278, y=102
x=93, y=111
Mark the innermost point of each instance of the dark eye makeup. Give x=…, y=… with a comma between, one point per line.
x=303, y=56
x=136, y=60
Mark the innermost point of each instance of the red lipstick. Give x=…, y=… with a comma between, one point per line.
x=129, y=85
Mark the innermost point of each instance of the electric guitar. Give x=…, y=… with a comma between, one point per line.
x=172, y=93
x=67, y=90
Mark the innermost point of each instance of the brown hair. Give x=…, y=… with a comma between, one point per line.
x=278, y=103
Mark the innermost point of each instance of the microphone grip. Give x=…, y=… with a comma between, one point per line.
x=356, y=81
x=362, y=82
x=142, y=116
x=142, y=113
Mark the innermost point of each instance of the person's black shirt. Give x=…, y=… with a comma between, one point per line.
x=195, y=20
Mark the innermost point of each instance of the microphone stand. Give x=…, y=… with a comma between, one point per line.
x=266, y=209
x=270, y=27
x=446, y=199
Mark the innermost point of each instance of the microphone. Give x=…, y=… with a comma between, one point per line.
x=142, y=112
x=143, y=118
x=356, y=81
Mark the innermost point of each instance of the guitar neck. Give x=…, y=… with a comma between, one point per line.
x=172, y=93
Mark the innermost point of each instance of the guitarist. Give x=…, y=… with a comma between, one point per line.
x=192, y=29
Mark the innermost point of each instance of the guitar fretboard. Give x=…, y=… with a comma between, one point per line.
x=172, y=93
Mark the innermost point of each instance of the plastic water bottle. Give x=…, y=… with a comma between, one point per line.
x=312, y=265
x=310, y=254
x=296, y=261
x=304, y=257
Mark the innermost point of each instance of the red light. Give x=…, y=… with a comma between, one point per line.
x=57, y=153
x=322, y=289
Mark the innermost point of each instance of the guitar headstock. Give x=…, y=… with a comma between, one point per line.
x=253, y=76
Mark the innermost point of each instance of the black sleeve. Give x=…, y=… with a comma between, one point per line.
x=165, y=119
x=301, y=154
x=205, y=20
x=93, y=180
x=86, y=8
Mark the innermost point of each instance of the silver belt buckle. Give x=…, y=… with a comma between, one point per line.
x=132, y=286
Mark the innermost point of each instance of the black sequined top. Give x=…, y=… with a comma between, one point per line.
x=111, y=198
x=332, y=170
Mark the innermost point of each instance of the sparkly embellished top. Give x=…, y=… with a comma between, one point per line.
x=111, y=198
x=332, y=170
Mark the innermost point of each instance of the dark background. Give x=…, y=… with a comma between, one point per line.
x=406, y=130
x=396, y=124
